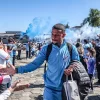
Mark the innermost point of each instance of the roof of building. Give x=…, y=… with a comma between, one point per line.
x=4, y=34
x=14, y=32
x=77, y=27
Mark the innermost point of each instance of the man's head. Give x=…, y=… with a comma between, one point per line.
x=11, y=40
x=86, y=41
x=58, y=33
x=97, y=40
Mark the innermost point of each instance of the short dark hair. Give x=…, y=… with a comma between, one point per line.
x=97, y=40
x=78, y=44
x=59, y=26
x=86, y=41
x=92, y=51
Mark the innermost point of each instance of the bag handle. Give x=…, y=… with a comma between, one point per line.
x=71, y=77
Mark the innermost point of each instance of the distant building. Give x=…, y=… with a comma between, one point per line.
x=13, y=32
x=76, y=28
x=7, y=34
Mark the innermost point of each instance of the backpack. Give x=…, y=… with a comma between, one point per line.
x=49, y=49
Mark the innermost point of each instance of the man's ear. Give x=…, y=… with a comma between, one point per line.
x=64, y=34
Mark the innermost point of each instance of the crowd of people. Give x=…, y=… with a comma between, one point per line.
x=9, y=53
x=60, y=63
x=89, y=53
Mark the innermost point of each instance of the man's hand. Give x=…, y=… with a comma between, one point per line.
x=2, y=66
x=16, y=87
x=8, y=70
x=21, y=87
x=69, y=70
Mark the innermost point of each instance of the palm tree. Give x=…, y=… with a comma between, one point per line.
x=93, y=19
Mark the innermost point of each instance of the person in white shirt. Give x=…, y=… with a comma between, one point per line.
x=3, y=57
x=4, y=79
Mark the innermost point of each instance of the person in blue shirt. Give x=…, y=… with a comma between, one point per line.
x=27, y=50
x=91, y=64
x=12, y=44
x=58, y=62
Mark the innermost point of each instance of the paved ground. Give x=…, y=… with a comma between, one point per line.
x=35, y=92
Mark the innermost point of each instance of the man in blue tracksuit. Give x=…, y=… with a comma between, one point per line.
x=58, y=61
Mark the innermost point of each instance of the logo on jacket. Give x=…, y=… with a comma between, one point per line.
x=65, y=58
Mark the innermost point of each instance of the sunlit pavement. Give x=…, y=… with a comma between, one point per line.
x=35, y=92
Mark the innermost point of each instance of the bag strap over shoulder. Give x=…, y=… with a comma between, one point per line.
x=49, y=49
x=70, y=50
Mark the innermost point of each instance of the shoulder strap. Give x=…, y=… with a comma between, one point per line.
x=70, y=49
x=49, y=49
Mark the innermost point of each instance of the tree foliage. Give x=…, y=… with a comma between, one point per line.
x=93, y=19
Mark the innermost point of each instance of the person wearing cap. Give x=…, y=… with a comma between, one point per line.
x=58, y=61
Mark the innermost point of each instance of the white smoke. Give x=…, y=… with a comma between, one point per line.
x=84, y=32
x=41, y=28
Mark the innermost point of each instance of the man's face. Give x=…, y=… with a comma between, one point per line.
x=57, y=36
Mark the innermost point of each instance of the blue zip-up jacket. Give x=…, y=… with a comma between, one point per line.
x=58, y=60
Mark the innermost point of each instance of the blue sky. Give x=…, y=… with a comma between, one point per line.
x=16, y=15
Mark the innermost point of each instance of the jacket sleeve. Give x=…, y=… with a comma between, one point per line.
x=35, y=64
x=75, y=54
x=5, y=95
